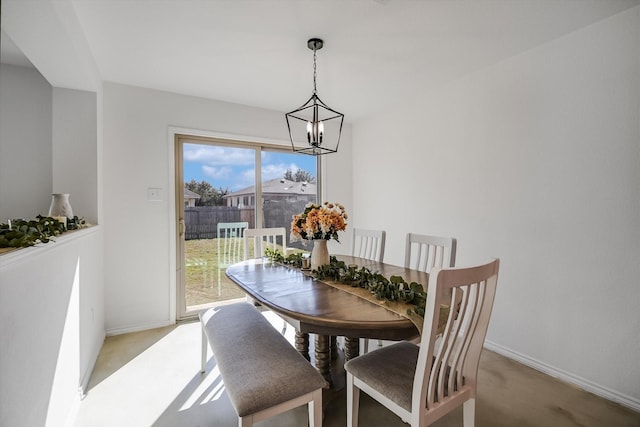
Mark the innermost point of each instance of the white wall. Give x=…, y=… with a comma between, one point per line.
x=51, y=329
x=75, y=150
x=48, y=144
x=139, y=268
x=25, y=143
x=337, y=187
x=535, y=160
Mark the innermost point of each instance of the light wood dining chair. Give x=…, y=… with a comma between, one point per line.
x=263, y=238
x=424, y=253
x=229, y=245
x=422, y=383
x=368, y=244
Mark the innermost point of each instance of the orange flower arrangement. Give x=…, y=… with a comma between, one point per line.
x=319, y=222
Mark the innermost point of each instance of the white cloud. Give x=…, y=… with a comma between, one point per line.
x=244, y=179
x=216, y=155
x=216, y=172
x=274, y=171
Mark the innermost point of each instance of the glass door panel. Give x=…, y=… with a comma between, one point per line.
x=219, y=202
x=221, y=189
x=289, y=182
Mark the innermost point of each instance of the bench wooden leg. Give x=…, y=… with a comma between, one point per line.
x=245, y=421
x=203, y=356
x=315, y=409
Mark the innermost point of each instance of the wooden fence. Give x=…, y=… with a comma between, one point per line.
x=201, y=222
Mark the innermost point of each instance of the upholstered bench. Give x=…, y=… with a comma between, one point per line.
x=262, y=373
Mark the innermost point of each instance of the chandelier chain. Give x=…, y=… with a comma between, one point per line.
x=314, y=71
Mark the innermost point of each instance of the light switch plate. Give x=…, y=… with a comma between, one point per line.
x=154, y=194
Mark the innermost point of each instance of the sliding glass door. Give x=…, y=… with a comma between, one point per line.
x=223, y=187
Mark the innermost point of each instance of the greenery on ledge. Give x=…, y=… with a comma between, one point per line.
x=22, y=233
x=394, y=288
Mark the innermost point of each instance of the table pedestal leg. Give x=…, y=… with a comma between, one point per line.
x=334, y=347
x=302, y=344
x=323, y=356
x=351, y=347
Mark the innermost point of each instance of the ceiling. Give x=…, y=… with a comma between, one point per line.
x=254, y=52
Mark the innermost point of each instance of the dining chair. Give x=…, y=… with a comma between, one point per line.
x=422, y=383
x=263, y=238
x=229, y=244
x=424, y=253
x=368, y=244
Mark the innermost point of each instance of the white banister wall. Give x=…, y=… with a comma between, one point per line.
x=52, y=328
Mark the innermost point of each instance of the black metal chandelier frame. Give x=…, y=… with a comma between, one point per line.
x=318, y=113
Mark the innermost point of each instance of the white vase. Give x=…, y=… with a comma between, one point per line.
x=319, y=254
x=60, y=206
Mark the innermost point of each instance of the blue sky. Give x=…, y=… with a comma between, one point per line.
x=234, y=168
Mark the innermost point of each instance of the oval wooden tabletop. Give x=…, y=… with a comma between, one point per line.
x=315, y=307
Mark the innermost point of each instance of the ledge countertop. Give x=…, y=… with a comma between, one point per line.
x=10, y=255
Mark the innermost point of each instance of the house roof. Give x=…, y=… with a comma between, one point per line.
x=188, y=194
x=278, y=186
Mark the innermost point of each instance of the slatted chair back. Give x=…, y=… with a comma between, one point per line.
x=229, y=245
x=424, y=253
x=368, y=244
x=263, y=238
x=446, y=366
x=230, y=242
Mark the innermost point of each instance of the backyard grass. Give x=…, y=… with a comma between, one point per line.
x=201, y=273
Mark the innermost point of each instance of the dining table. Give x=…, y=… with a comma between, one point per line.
x=328, y=309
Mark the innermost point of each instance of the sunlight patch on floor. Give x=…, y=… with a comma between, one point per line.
x=153, y=379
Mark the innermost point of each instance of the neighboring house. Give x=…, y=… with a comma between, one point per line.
x=190, y=198
x=273, y=190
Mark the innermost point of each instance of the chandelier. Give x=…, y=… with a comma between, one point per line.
x=314, y=128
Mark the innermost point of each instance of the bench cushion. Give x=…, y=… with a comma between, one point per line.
x=259, y=367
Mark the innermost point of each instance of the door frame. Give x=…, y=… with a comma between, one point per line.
x=176, y=198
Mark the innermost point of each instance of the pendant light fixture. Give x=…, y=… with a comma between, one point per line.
x=314, y=128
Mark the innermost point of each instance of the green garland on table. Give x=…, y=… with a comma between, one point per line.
x=293, y=259
x=394, y=288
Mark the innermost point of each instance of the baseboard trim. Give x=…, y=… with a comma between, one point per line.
x=565, y=376
x=120, y=331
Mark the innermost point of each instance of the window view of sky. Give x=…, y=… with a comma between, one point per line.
x=234, y=168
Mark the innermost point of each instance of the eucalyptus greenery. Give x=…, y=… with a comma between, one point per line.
x=294, y=259
x=394, y=288
x=24, y=233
